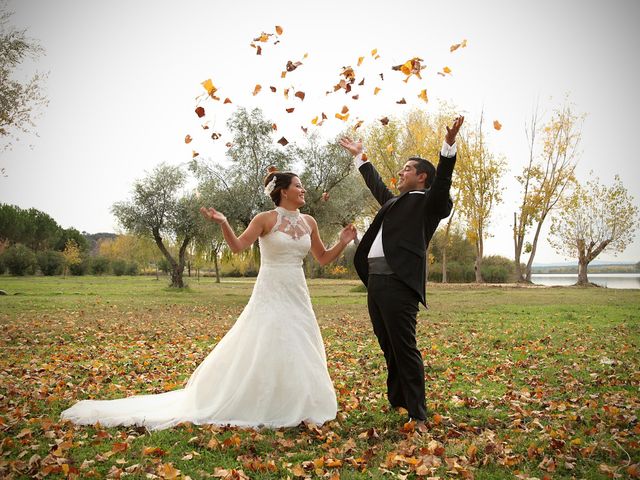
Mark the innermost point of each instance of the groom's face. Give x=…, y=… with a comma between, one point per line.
x=409, y=179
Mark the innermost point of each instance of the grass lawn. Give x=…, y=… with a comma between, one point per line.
x=521, y=383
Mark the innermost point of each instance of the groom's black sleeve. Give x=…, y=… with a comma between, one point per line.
x=439, y=203
x=375, y=184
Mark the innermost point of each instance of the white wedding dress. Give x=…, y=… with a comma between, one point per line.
x=269, y=370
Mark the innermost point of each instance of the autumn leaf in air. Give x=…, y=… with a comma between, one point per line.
x=390, y=148
x=374, y=52
x=274, y=127
x=228, y=144
x=273, y=89
x=290, y=110
x=376, y=90
x=356, y=97
x=215, y=136
x=456, y=46
x=283, y=141
x=304, y=129
x=187, y=139
x=344, y=118
x=194, y=154
x=314, y=120
x=208, y=86
x=279, y=30
x=200, y=112
x=291, y=66
x=257, y=89
x=345, y=109
x=423, y=95
x=300, y=95
x=410, y=67
x=227, y=100
x=358, y=124
x=360, y=60
x=384, y=120
x=497, y=125
x=402, y=101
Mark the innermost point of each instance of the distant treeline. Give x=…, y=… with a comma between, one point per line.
x=612, y=268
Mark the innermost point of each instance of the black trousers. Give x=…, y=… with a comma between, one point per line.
x=393, y=308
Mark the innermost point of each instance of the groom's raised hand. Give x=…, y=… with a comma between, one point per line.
x=450, y=138
x=354, y=148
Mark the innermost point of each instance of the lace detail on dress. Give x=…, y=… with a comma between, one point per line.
x=291, y=223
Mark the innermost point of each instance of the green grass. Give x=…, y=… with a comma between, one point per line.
x=520, y=381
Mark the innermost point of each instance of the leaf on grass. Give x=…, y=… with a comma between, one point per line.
x=153, y=451
x=283, y=141
x=200, y=112
x=497, y=125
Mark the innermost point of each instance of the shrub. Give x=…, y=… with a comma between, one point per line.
x=497, y=269
x=78, y=269
x=163, y=265
x=3, y=267
x=99, y=265
x=132, y=268
x=50, y=262
x=118, y=267
x=20, y=260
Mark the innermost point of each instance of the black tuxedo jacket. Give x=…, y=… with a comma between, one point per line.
x=409, y=222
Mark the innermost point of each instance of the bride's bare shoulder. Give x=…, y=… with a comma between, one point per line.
x=268, y=220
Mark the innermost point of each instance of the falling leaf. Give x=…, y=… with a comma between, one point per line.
x=361, y=82
x=273, y=89
x=381, y=76
x=374, y=52
x=200, y=112
x=358, y=124
x=376, y=57
x=300, y=95
x=258, y=50
x=446, y=70
x=390, y=148
x=285, y=92
x=205, y=126
x=423, y=95
x=208, y=86
x=227, y=100
x=314, y=121
x=376, y=90
x=497, y=125
x=344, y=110
x=272, y=168
x=356, y=97
x=360, y=60
x=324, y=117
x=344, y=118
x=194, y=154
x=402, y=101
x=393, y=181
x=279, y=30
x=257, y=89
x=283, y=74
x=290, y=110
x=283, y=141
x=304, y=129
x=291, y=66
x=187, y=139
x=410, y=67
x=228, y=145
x=215, y=136
x=274, y=127
x=384, y=120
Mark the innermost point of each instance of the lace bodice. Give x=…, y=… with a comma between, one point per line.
x=289, y=240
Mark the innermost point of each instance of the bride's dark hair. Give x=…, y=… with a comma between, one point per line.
x=283, y=180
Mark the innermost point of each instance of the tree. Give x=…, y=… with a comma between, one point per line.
x=19, y=101
x=158, y=212
x=480, y=173
x=594, y=218
x=71, y=255
x=544, y=180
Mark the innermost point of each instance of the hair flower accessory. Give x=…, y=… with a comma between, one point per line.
x=270, y=186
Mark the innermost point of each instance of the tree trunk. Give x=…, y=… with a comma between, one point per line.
x=534, y=246
x=176, y=277
x=444, y=266
x=479, y=254
x=215, y=263
x=582, y=272
x=518, y=241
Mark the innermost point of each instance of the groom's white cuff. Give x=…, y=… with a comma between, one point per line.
x=448, y=151
x=358, y=161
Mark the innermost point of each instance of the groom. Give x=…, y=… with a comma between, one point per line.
x=390, y=260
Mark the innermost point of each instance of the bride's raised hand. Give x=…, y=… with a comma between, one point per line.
x=354, y=148
x=348, y=234
x=213, y=215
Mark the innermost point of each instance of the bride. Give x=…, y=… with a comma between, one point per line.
x=270, y=369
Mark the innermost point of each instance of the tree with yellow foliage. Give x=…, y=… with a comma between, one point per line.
x=71, y=255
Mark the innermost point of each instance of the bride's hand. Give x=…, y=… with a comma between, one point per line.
x=213, y=215
x=348, y=234
x=354, y=148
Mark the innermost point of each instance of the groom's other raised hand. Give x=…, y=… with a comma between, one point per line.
x=353, y=147
x=450, y=138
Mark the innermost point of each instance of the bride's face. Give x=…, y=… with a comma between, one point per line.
x=294, y=193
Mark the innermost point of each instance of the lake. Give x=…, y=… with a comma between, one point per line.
x=609, y=280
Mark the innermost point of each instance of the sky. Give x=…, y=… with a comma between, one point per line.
x=125, y=77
